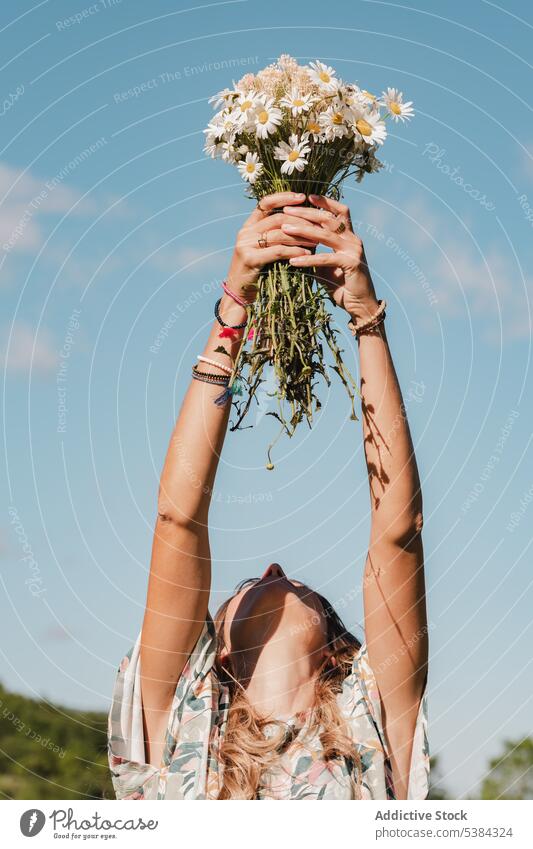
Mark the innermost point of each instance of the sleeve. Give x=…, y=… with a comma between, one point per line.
x=132, y=777
x=363, y=701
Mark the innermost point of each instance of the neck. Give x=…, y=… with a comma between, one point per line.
x=277, y=684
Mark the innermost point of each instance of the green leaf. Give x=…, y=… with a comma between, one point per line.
x=222, y=350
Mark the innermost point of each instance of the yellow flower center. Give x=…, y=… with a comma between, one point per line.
x=313, y=127
x=246, y=105
x=250, y=168
x=396, y=108
x=324, y=76
x=298, y=102
x=293, y=156
x=337, y=118
x=364, y=127
x=263, y=117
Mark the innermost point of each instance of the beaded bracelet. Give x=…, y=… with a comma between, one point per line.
x=371, y=328
x=209, y=377
x=371, y=323
x=225, y=368
x=223, y=323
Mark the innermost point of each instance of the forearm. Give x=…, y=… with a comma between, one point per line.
x=195, y=446
x=396, y=499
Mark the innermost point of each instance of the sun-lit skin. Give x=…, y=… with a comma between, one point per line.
x=275, y=635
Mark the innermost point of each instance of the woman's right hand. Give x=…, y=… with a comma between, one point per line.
x=249, y=257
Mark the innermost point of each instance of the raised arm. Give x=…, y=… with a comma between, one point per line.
x=180, y=572
x=394, y=593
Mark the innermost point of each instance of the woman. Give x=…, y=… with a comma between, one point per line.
x=274, y=699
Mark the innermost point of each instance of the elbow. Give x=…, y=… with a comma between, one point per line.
x=411, y=532
x=404, y=532
x=171, y=516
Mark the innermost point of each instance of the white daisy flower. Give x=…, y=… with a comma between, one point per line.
x=267, y=118
x=228, y=151
x=314, y=130
x=245, y=107
x=334, y=121
x=293, y=154
x=213, y=149
x=236, y=121
x=344, y=91
x=223, y=98
x=349, y=91
x=250, y=168
x=215, y=128
x=393, y=100
x=361, y=99
x=367, y=96
x=369, y=127
x=224, y=124
x=323, y=76
x=297, y=103
x=214, y=135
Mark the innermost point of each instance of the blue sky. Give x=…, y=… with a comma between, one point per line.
x=112, y=222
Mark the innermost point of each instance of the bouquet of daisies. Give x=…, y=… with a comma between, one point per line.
x=295, y=128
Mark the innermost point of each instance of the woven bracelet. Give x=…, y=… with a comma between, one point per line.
x=209, y=377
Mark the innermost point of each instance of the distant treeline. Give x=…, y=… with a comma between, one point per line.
x=50, y=752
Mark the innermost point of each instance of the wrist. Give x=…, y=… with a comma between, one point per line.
x=241, y=284
x=363, y=309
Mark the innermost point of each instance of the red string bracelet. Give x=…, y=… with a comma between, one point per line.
x=235, y=297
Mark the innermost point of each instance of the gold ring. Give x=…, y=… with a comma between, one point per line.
x=341, y=228
x=259, y=207
x=262, y=241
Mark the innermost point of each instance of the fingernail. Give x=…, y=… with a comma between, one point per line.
x=289, y=228
x=298, y=195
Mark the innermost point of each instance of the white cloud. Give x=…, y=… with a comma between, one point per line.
x=488, y=284
x=26, y=350
x=25, y=198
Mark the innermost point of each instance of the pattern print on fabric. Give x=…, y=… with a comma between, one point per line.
x=191, y=769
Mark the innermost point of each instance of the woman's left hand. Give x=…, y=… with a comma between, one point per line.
x=344, y=271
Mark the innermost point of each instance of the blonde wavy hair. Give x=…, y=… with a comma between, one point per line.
x=246, y=751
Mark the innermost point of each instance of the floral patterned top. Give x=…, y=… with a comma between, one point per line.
x=190, y=767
